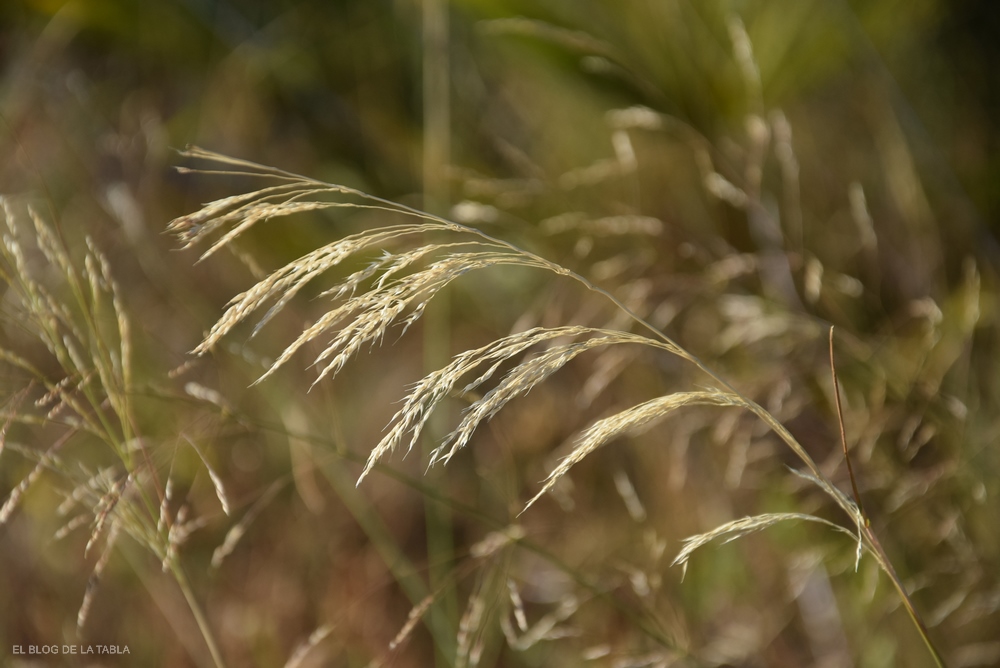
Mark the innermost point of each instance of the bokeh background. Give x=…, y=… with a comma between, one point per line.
x=744, y=174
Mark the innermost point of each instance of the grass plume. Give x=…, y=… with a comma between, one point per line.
x=395, y=289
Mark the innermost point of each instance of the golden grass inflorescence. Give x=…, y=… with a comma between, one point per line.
x=395, y=288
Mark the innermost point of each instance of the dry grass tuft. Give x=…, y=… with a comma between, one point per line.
x=74, y=308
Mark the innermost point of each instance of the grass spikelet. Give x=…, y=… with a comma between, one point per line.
x=415, y=615
x=308, y=645
x=626, y=490
x=237, y=531
x=97, y=284
x=635, y=118
x=103, y=479
x=191, y=228
x=180, y=530
x=286, y=282
x=862, y=218
x=168, y=493
x=12, y=409
x=365, y=318
x=467, y=654
x=105, y=507
x=208, y=395
x=121, y=319
x=95, y=577
x=220, y=490
x=518, y=382
x=731, y=531
x=632, y=421
x=54, y=394
x=175, y=536
x=10, y=505
x=435, y=387
x=743, y=51
x=257, y=211
x=375, y=311
x=497, y=540
x=246, y=210
x=80, y=363
x=71, y=526
x=722, y=188
x=546, y=628
x=518, y=606
x=49, y=246
x=595, y=652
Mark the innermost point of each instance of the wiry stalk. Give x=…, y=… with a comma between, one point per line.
x=199, y=616
x=865, y=527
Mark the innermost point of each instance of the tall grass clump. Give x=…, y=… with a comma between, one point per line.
x=375, y=282
x=78, y=398
x=398, y=268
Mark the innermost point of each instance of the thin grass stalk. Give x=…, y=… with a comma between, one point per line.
x=437, y=334
x=865, y=528
x=199, y=616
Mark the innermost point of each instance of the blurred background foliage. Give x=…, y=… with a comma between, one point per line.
x=839, y=166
